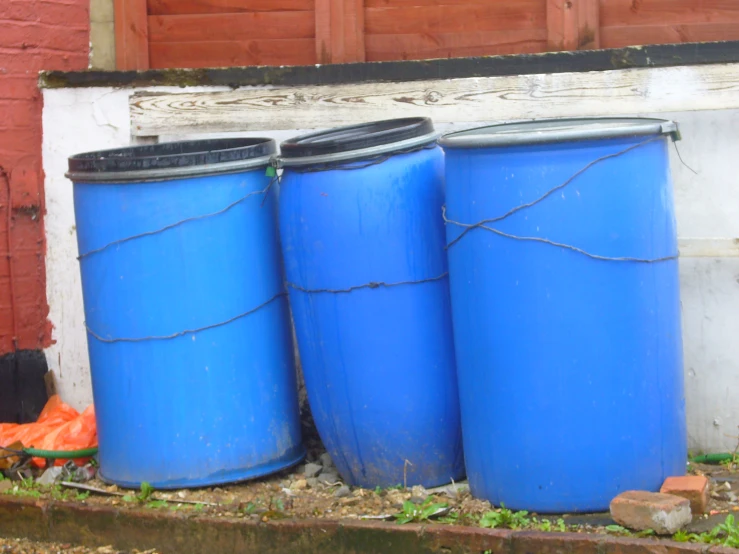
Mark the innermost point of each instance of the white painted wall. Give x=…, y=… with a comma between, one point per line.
x=78, y=120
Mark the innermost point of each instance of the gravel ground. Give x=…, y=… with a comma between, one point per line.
x=313, y=489
x=22, y=546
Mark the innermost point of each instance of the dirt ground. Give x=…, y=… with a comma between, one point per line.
x=22, y=546
x=314, y=490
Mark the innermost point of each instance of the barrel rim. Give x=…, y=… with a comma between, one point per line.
x=352, y=142
x=547, y=131
x=171, y=160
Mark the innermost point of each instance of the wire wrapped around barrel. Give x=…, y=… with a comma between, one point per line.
x=370, y=285
x=483, y=223
x=178, y=223
x=101, y=338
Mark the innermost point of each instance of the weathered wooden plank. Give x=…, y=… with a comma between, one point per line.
x=131, y=34
x=449, y=45
x=180, y=7
x=232, y=53
x=573, y=24
x=616, y=37
x=617, y=92
x=667, y=12
x=234, y=26
x=494, y=16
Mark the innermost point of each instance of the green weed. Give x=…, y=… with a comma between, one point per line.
x=547, y=525
x=146, y=491
x=724, y=534
x=418, y=513
x=503, y=517
x=450, y=518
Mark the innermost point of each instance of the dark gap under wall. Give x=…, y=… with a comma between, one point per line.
x=22, y=386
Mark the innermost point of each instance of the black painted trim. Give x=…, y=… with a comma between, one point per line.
x=664, y=55
x=22, y=386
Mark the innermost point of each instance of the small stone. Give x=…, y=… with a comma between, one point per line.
x=312, y=482
x=181, y=494
x=342, y=491
x=641, y=510
x=311, y=470
x=5, y=485
x=50, y=476
x=692, y=487
x=326, y=460
x=328, y=477
x=452, y=489
x=418, y=492
x=299, y=485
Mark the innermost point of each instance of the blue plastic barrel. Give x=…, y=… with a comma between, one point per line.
x=187, y=319
x=363, y=243
x=566, y=306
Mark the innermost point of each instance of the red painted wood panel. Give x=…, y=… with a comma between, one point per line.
x=235, y=26
x=431, y=3
x=233, y=53
x=620, y=13
x=340, y=33
x=493, y=16
x=452, y=45
x=618, y=37
x=238, y=32
x=132, y=34
x=573, y=24
x=180, y=7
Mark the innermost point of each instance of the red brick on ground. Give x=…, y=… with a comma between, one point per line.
x=641, y=510
x=692, y=487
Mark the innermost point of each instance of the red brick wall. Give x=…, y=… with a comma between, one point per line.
x=34, y=35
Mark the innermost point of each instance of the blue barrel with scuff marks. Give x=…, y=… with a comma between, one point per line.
x=363, y=243
x=566, y=306
x=187, y=319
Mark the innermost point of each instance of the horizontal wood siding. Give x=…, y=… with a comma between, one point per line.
x=223, y=33
x=450, y=45
x=640, y=22
x=182, y=7
x=418, y=29
x=232, y=53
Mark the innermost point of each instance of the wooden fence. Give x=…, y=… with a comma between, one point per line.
x=226, y=33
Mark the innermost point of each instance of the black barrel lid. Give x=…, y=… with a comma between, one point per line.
x=363, y=137
x=171, y=160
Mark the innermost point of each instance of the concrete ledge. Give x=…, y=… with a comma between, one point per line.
x=179, y=533
x=661, y=55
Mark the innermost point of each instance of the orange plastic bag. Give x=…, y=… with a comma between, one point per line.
x=59, y=427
